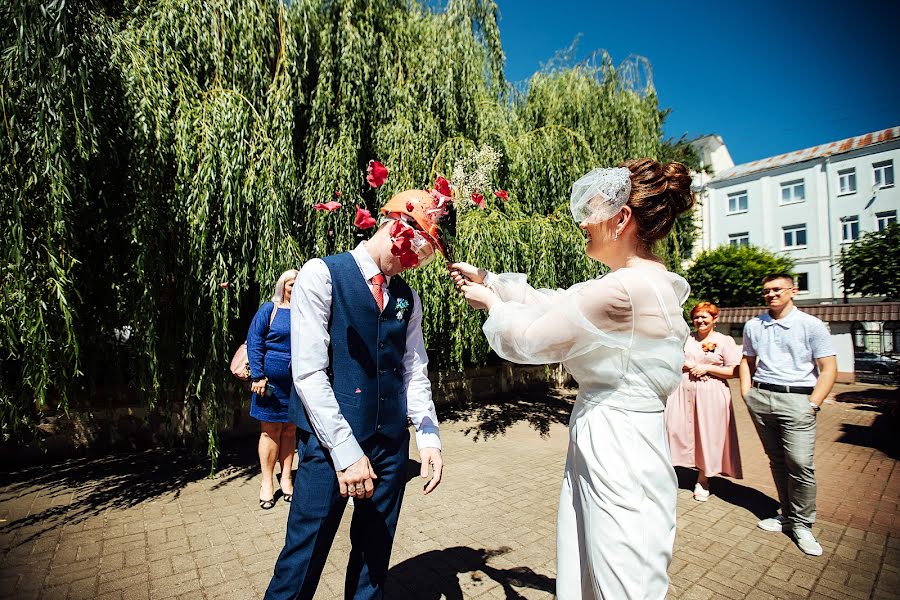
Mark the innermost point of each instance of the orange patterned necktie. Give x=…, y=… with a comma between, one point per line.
x=377, y=291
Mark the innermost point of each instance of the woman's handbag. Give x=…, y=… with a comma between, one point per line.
x=240, y=363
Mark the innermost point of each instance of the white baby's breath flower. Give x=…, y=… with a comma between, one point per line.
x=472, y=175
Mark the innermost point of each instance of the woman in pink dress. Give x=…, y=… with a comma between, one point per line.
x=699, y=414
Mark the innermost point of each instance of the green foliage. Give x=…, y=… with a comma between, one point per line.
x=730, y=276
x=47, y=141
x=157, y=151
x=871, y=265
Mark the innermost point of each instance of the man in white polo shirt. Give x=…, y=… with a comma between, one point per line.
x=788, y=369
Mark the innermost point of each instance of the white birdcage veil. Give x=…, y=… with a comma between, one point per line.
x=600, y=194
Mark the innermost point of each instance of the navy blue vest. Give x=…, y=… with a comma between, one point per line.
x=366, y=353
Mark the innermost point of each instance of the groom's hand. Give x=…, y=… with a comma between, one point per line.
x=431, y=456
x=356, y=480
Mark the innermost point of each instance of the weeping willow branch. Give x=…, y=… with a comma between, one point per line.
x=162, y=163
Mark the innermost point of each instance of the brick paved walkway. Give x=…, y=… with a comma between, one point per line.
x=150, y=526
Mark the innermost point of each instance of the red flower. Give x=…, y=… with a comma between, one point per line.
x=502, y=195
x=402, y=245
x=409, y=259
x=402, y=238
x=708, y=346
x=223, y=285
x=377, y=173
x=478, y=199
x=442, y=186
x=398, y=230
x=327, y=206
x=363, y=219
x=338, y=194
x=440, y=207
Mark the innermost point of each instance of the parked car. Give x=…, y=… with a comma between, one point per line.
x=875, y=363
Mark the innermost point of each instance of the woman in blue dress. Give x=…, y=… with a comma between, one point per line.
x=269, y=355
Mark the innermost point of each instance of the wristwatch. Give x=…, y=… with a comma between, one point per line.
x=815, y=406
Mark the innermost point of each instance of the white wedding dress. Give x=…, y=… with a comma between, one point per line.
x=622, y=338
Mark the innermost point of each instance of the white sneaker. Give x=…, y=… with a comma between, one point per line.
x=776, y=523
x=700, y=494
x=806, y=541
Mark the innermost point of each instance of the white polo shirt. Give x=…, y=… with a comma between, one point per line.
x=786, y=349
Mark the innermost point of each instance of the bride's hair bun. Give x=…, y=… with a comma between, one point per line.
x=659, y=193
x=679, y=180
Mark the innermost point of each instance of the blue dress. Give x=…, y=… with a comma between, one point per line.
x=269, y=354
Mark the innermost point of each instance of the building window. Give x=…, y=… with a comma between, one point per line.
x=794, y=236
x=849, y=228
x=737, y=202
x=739, y=239
x=883, y=219
x=883, y=174
x=846, y=181
x=803, y=282
x=793, y=191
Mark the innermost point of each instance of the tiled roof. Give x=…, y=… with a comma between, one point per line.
x=830, y=313
x=839, y=147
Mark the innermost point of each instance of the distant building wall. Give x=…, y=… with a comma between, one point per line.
x=809, y=205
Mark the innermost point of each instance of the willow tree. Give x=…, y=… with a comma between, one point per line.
x=47, y=141
x=162, y=160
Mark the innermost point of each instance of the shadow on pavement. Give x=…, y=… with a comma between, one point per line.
x=433, y=575
x=118, y=481
x=884, y=433
x=759, y=504
x=413, y=468
x=538, y=409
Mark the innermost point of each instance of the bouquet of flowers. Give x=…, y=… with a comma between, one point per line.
x=470, y=179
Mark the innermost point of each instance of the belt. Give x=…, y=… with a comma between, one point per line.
x=783, y=389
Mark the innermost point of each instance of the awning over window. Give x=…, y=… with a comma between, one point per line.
x=830, y=313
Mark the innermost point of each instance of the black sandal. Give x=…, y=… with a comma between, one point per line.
x=288, y=498
x=267, y=504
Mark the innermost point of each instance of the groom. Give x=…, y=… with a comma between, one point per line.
x=360, y=371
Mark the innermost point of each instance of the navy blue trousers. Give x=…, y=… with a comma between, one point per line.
x=316, y=512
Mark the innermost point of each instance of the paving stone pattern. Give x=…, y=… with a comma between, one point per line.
x=151, y=526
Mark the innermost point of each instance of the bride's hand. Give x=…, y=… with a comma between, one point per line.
x=462, y=271
x=478, y=296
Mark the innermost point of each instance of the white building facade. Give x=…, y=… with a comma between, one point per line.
x=809, y=204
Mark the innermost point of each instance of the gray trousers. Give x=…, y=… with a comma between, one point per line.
x=787, y=429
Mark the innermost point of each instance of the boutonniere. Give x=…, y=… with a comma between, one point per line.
x=402, y=305
x=708, y=346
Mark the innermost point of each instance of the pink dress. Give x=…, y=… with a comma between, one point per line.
x=699, y=414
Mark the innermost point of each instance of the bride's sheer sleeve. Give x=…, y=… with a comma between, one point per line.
x=514, y=287
x=566, y=325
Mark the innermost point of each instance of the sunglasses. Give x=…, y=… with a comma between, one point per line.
x=775, y=290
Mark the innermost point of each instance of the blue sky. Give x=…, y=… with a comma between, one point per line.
x=769, y=77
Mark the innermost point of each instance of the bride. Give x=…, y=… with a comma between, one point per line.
x=621, y=337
